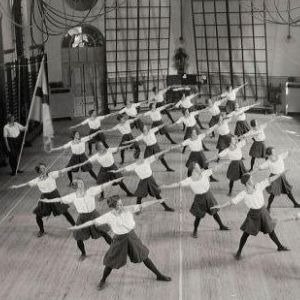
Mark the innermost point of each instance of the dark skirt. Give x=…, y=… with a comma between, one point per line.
x=223, y=141
x=197, y=157
x=258, y=149
x=188, y=131
x=100, y=137
x=202, y=204
x=230, y=106
x=236, y=170
x=122, y=246
x=241, y=128
x=14, y=145
x=214, y=120
x=105, y=174
x=151, y=150
x=44, y=209
x=78, y=159
x=279, y=186
x=147, y=186
x=89, y=232
x=158, y=123
x=137, y=124
x=128, y=137
x=258, y=220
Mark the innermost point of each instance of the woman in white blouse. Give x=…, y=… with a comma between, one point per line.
x=230, y=96
x=241, y=125
x=12, y=137
x=105, y=157
x=124, y=127
x=152, y=147
x=204, y=200
x=236, y=168
x=189, y=120
x=77, y=146
x=155, y=115
x=215, y=112
x=147, y=184
x=258, y=218
x=125, y=241
x=159, y=99
x=46, y=183
x=195, y=143
x=94, y=123
x=224, y=132
x=275, y=165
x=85, y=204
x=131, y=111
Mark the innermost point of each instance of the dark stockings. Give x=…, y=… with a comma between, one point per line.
x=252, y=163
x=231, y=182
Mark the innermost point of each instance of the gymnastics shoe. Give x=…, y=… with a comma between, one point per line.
x=163, y=278
x=237, y=256
x=40, y=234
x=101, y=285
x=224, y=228
x=283, y=248
x=297, y=205
x=82, y=257
x=194, y=234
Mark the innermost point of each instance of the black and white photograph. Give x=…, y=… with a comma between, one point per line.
x=149, y=149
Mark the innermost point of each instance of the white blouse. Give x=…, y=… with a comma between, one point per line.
x=195, y=145
x=186, y=102
x=215, y=110
x=189, y=121
x=120, y=223
x=199, y=186
x=105, y=160
x=46, y=185
x=77, y=148
x=124, y=128
x=241, y=117
x=259, y=134
x=12, y=131
x=154, y=115
x=85, y=204
x=275, y=167
x=150, y=138
x=223, y=129
x=143, y=170
x=94, y=123
x=233, y=154
x=253, y=200
x=130, y=111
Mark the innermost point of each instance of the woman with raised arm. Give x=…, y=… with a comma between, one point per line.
x=131, y=111
x=46, y=183
x=85, y=204
x=147, y=184
x=105, y=157
x=155, y=115
x=204, y=200
x=186, y=104
x=258, y=148
x=225, y=135
x=275, y=165
x=258, y=218
x=77, y=146
x=230, y=96
x=94, y=123
x=190, y=123
x=124, y=127
x=125, y=241
x=197, y=155
x=152, y=147
x=241, y=126
x=215, y=112
x=158, y=98
x=236, y=168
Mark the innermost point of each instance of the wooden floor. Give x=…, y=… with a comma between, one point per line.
x=203, y=268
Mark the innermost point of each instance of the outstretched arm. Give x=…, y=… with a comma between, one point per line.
x=17, y=186
x=240, y=87
x=79, y=124
x=159, y=154
x=65, y=146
